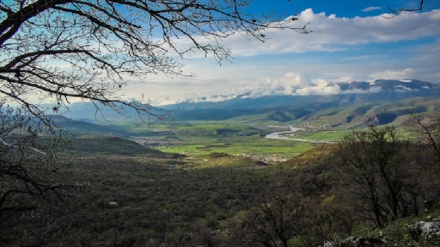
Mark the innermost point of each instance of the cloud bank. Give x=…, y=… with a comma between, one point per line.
x=339, y=49
x=331, y=33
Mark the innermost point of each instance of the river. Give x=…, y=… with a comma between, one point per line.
x=286, y=135
x=283, y=135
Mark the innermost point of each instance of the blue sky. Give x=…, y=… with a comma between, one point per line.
x=350, y=41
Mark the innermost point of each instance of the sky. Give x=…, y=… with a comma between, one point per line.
x=350, y=41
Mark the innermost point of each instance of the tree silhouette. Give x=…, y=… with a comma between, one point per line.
x=86, y=49
x=395, y=12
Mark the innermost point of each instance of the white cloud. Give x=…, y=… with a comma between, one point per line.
x=372, y=8
x=259, y=69
x=331, y=33
x=393, y=74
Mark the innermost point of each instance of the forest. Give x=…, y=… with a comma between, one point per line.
x=108, y=191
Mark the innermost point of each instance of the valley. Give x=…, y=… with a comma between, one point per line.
x=210, y=183
x=217, y=175
x=201, y=139
x=219, y=123
x=243, y=125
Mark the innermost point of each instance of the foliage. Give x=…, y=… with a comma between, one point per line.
x=385, y=174
x=158, y=204
x=221, y=201
x=32, y=185
x=370, y=161
x=93, y=145
x=428, y=129
x=274, y=223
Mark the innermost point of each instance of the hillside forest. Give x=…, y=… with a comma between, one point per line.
x=101, y=190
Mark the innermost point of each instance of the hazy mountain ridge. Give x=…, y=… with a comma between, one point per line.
x=284, y=108
x=378, y=106
x=386, y=85
x=363, y=114
x=72, y=127
x=266, y=97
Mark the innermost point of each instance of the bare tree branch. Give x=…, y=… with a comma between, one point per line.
x=397, y=12
x=85, y=49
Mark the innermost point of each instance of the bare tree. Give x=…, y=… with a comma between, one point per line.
x=395, y=12
x=85, y=49
x=428, y=128
x=273, y=223
x=375, y=172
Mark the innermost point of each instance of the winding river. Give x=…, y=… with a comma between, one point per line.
x=284, y=135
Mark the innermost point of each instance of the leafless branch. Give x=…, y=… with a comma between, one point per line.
x=396, y=12
x=64, y=49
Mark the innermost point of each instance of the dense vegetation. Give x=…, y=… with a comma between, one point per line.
x=124, y=194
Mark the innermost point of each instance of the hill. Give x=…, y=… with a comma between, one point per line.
x=72, y=127
x=381, y=113
x=109, y=145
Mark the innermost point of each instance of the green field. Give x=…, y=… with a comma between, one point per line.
x=201, y=139
x=324, y=136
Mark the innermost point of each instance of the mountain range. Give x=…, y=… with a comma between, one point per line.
x=414, y=87
x=386, y=85
x=397, y=95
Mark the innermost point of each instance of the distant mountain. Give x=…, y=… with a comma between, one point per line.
x=90, y=112
x=281, y=107
x=386, y=85
x=291, y=107
x=349, y=92
x=395, y=112
x=92, y=145
x=388, y=88
x=78, y=128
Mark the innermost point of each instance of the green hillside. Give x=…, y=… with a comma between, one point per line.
x=373, y=114
x=130, y=199
x=354, y=115
x=99, y=145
